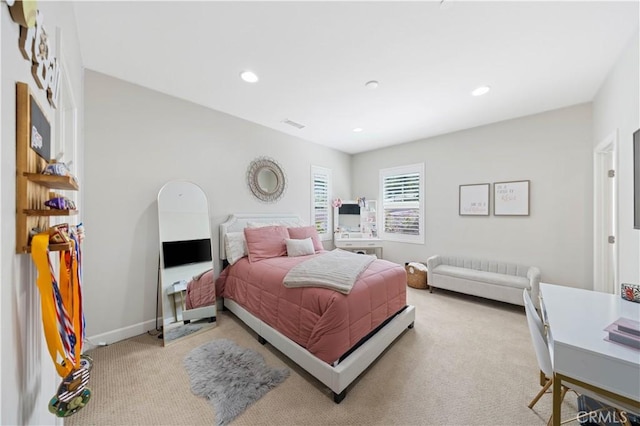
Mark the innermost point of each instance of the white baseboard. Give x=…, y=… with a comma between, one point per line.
x=123, y=333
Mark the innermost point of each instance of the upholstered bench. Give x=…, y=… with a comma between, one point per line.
x=489, y=279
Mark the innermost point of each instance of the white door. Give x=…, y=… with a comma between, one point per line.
x=605, y=216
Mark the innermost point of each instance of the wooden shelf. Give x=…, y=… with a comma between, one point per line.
x=53, y=181
x=33, y=189
x=51, y=212
x=52, y=247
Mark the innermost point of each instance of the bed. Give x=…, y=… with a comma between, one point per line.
x=332, y=335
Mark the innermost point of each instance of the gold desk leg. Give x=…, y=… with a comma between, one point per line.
x=557, y=399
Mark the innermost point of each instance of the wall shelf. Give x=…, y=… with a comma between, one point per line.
x=51, y=212
x=32, y=187
x=52, y=247
x=52, y=181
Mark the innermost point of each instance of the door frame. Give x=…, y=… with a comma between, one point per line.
x=608, y=146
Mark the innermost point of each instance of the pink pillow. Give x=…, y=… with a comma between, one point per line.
x=302, y=232
x=266, y=242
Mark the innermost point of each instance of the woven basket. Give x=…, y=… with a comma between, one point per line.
x=416, y=275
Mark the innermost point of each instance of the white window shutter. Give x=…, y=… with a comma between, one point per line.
x=403, y=203
x=321, y=201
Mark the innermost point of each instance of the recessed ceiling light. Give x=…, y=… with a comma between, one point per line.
x=373, y=84
x=481, y=90
x=357, y=130
x=249, y=76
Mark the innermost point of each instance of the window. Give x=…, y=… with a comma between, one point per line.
x=402, y=190
x=321, y=201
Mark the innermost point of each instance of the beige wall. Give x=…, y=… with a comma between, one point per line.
x=137, y=140
x=28, y=376
x=552, y=150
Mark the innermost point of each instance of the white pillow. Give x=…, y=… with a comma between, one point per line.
x=299, y=247
x=235, y=246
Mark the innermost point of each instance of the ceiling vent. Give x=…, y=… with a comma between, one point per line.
x=293, y=123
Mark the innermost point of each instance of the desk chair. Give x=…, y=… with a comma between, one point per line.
x=538, y=337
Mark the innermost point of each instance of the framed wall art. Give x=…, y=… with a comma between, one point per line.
x=511, y=198
x=474, y=200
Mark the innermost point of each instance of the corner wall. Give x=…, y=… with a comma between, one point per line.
x=137, y=140
x=551, y=149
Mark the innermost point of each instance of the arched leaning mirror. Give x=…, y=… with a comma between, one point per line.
x=187, y=284
x=266, y=179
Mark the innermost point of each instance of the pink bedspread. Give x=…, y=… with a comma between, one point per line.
x=325, y=322
x=201, y=291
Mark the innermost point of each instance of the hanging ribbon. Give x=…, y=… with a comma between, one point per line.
x=63, y=323
x=60, y=333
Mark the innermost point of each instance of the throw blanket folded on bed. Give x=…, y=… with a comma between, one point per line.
x=337, y=270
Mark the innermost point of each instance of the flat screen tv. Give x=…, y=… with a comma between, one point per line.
x=349, y=209
x=178, y=253
x=636, y=179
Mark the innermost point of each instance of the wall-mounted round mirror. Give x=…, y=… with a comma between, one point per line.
x=187, y=285
x=266, y=179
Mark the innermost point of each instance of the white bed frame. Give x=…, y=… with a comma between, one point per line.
x=338, y=376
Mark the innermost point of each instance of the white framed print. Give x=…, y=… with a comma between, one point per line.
x=474, y=200
x=511, y=198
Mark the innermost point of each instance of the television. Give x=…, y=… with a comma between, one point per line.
x=636, y=179
x=349, y=209
x=178, y=253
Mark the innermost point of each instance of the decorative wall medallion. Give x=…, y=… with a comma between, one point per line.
x=266, y=179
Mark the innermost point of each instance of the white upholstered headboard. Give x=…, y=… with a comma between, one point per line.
x=238, y=221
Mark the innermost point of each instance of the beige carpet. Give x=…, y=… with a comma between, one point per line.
x=468, y=361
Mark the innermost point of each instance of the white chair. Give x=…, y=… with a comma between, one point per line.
x=538, y=337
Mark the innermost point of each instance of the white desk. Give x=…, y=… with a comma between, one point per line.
x=577, y=319
x=359, y=244
x=178, y=290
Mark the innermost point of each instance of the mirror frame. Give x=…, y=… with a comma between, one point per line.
x=173, y=314
x=261, y=164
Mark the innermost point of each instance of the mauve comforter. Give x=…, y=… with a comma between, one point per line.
x=325, y=322
x=201, y=291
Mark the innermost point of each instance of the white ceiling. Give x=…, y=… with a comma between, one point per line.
x=314, y=58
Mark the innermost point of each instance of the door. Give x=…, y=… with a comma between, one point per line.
x=605, y=216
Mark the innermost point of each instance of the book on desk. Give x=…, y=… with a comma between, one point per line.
x=625, y=332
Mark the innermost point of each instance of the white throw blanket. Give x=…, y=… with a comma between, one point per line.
x=337, y=270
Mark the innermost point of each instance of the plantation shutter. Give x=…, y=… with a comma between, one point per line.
x=321, y=209
x=402, y=203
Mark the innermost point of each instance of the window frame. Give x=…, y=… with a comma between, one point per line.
x=318, y=170
x=395, y=171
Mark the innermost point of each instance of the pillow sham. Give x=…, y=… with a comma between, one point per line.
x=299, y=247
x=301, y=232
x=235, y=246
x=266, y=242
